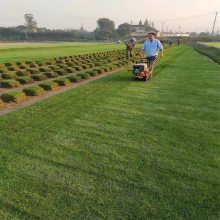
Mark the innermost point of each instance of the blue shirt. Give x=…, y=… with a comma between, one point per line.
x=152, y=48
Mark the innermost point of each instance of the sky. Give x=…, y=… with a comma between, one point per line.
x=186, y=15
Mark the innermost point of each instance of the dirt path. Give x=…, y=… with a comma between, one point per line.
x=32, y=100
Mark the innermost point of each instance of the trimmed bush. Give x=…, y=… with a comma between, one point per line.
x=8, y=64
x=62, y=66
x=33, y=71
x=13, y=68
x=84, y=75
x=61, y=72
x=14, y=96
x=78, y=68
x=117, y=65
x=98, y=63
x=62, y=82
x=53, y=67
x=11, y=83
x=39, y=77
x=22, y=67
x=74, y=78
x=59, y=61
x=69, y=64
x=3, y=70
x=85, y=66
x=111, y=68
x=28, y=62
x=49, y=63
x=100, y=71
x=32, y=65
x=51, y=74
x=92, y=72
x=104, y=69
x=91, y=65
x=44, y=69
x=19, y=63
x=49, y=86
x=34, y=91
x=25, y=80
x=39, y=63
x=70, y=70
x=23, y=73
x=9, y=76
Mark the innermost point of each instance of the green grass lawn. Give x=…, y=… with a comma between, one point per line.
x=10, y=52
x=211, y=52
x=213, y=44
x=117, y=148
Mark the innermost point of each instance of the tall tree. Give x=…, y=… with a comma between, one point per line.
x=106, y=27
x=124, y=29
x=30, y=23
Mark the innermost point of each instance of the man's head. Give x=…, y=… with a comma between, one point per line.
x=152, y=36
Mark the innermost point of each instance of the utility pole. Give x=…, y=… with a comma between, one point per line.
x=213, y=29
x=162, y=28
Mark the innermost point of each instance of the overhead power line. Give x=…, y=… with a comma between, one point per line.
x=185, y=18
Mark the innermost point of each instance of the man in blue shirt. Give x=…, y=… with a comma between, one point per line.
x=152, y=47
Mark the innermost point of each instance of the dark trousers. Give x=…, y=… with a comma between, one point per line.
x=150, y=62
x=129, y=53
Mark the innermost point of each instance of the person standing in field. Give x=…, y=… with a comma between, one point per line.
x=152, y=47
x=178, y=41
x=130, y=45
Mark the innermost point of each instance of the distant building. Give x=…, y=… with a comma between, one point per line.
x=175, y=34
x=142, y=29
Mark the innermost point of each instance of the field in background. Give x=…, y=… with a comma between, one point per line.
x=213, y=52
x=10, y=52
x=118, y=148
x=213, y=44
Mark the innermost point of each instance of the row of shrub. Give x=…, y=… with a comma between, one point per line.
x=34, y=75
x=41, y=89
x=30, y=75
x=76, y=60
x=211, y=52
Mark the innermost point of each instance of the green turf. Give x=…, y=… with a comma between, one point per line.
x=211, y=52
x=39, y=51
x=117, y=148
x=213, y=44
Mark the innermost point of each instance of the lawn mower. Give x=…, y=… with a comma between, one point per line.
x=143, y=70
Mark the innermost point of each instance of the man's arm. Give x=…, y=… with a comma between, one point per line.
x=161, y=55
x=160, y=46
x=143, y=49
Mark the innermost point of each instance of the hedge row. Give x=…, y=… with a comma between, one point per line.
x=36, y=75
x=20, y=96
x=211, y=52
x=63, y=61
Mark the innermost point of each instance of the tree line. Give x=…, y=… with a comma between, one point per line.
x=105, y=30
